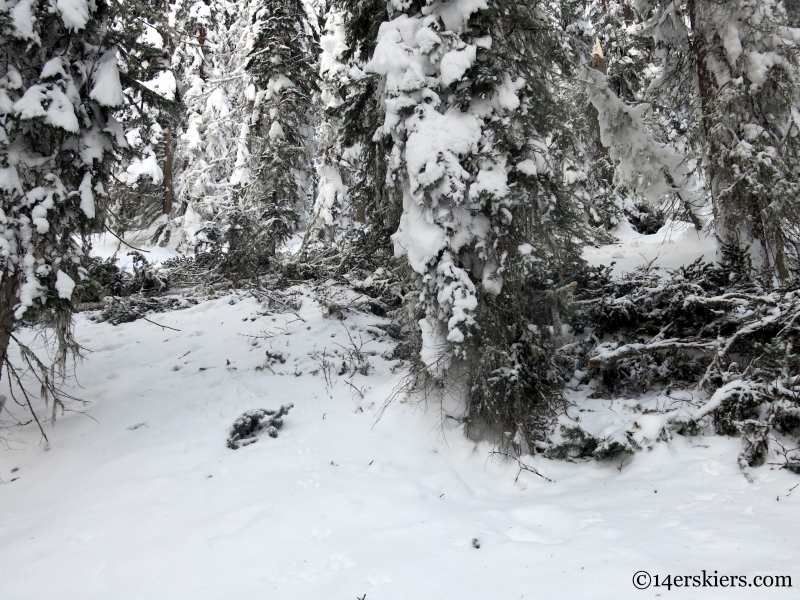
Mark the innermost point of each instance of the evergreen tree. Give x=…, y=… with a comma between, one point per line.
x=143, y=185
x=59, y=86
x=598, y=33
x=247, y=147
x=281, y=63
x=329, y=216
x=736, y=61
x=358, y=204
x=216, y=88
x=487, y=226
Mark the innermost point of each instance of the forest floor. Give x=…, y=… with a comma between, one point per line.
x=139, y=498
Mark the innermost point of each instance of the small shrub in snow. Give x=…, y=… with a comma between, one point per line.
x=104, y=278
x=646, y=219
x=246, y=428
x=687, y=428
x=577, y=443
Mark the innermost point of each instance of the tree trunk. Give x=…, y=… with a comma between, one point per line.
x=169, y=192
x=708, y=89
x=8, y=299
x=201, y=39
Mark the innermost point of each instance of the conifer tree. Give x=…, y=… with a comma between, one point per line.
x=487, y=227
x=598, y=33
x=736, y=62
x=357, y=202
x=143, y=186
x=215, y=89
x=281, y=64
x=58, y=88
x=329, y=216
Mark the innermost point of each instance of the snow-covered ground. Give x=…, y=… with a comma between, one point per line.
x=141, y=499
x=677, y=243
x=106, y=245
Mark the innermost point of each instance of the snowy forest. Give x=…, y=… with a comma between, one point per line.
x=493, y=268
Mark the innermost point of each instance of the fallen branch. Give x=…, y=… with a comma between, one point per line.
x=108, y=229
x=522, y=466
x=261, y=294
x=125, y=308
x=723, y=352
x=731, y=299
x=726, y=391
x=612, y=356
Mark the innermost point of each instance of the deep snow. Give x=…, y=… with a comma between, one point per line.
x=676, y=244
x=141, y=499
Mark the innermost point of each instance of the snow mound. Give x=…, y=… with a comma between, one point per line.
x=677, y=243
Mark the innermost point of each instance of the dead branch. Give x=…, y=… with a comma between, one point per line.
x=651, y=348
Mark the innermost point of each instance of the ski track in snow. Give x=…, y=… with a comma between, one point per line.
x=144, y=500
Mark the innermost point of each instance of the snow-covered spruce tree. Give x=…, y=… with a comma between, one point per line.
x=329, y=215
x=143, y=182
x=58, y=86
x=373, y=198
x=491, y=235
x=211, y=144
x=358, y=204
x=598, y=32
x=281, y=63
x=740, y=60
x=649, y=169
x=183, y=30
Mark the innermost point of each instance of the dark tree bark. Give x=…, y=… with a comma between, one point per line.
x=169, y=190
x=8, y=299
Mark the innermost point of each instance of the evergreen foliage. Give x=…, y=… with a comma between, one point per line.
x=598, y=29
x=246, y=428
x=574, y=443
x=716, y=328
x=211, y=145
x=59, y=87
x=246, y=150
x=488, y=228
x=357, y=204
x=281, y=63
x=731, y=67
x=142, y=188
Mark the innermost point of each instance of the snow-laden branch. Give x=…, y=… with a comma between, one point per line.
x=728, y=390
x=642, y=164
x=728, y=300
x=743, y=332
x=613, y=355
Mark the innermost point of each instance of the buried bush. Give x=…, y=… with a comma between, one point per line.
x=246, y=428
x=577, y=443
